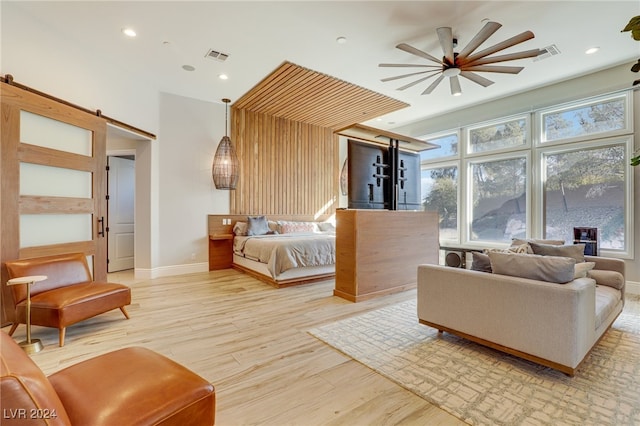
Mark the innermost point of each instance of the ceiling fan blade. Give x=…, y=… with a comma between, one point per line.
x=445, y=35
x=408, y=66
x=420, y=80
x=454, y=82
x=494, y=68
x=522, y=37
x=502, y=58
x=397, y=77
x=433, y=85
x=410, y=49
x=484, y=82
x=482, y=36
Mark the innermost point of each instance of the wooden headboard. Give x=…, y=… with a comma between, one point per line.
x=216, y=227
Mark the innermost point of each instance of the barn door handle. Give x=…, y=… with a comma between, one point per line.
x=101, y=230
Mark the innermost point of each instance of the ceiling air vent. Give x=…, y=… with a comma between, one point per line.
x=218, y=56
x=547, y=52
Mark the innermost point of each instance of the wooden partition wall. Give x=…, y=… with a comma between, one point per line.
x=286, y=167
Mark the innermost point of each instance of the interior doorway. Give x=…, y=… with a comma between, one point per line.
x=120, y=213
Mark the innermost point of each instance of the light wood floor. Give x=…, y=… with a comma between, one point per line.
x=250, y=340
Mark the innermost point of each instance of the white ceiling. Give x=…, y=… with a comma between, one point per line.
x=259, y=36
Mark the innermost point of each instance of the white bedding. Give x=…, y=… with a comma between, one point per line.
x=282, y=252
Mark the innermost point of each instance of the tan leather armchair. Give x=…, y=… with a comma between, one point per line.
x=132, y=386
x=69, y=294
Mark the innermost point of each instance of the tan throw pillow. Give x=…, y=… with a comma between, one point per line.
x=575, y=251
x=582, y=268
x=552, y=269
x=240, y=228
x=520, y=242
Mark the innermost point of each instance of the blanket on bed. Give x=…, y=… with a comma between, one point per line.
x=286, y=251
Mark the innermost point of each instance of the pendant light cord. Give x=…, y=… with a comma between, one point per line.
x=226, y=115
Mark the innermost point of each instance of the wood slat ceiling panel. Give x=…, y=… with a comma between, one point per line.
x=300, y=94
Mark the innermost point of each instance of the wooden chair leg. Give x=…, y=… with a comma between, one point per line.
x=13, y=328
x=124, y=311
x=61, y=336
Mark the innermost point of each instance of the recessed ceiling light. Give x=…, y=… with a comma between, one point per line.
x=129, y=32
x=591, y=50
x=341, y=40
x=223, y=77
x=188, y=68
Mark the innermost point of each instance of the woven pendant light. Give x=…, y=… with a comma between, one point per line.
x=225, y=162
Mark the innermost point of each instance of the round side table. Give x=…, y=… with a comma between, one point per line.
x=35, y=345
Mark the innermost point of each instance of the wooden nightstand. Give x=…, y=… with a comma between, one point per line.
x=220, y=251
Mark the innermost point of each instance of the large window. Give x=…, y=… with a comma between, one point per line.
x=503, y=179
x=498, y=193
x=586, y=187
x=440, y=193
x=601, y=116
x=495, y=136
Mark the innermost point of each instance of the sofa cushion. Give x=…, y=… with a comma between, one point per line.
x=583, y=268
x=575, y=251
x=134, y=386
x=607, y=278
x=607, y=299
x=480, y=262
x=554, y=269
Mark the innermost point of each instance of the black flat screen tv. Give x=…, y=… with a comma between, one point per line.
x=382, y=177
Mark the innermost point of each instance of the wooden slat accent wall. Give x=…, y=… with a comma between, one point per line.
x=286, y=167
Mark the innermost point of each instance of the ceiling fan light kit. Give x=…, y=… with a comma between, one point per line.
x=465, y=63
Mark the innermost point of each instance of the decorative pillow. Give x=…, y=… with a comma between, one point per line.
x=273, y=226
x=257, y=225
x=523, y=248
x=326, y=227
x=480, y=262
x=240, y=228
x=553, y=269
x=295, y=227
x=609, y=278
x=575, y=251
x=582, y=268
x=520, y=242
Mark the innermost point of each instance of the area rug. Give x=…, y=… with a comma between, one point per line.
x=485, y=387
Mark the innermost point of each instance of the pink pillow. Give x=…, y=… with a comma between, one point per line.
x=294, y=227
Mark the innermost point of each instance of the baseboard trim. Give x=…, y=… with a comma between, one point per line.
x=633, y=287
x=168, y=271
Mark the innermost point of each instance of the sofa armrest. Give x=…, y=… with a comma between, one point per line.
x=607, y=263
x=550, y=321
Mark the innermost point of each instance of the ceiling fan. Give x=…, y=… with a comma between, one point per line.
x=465, y=63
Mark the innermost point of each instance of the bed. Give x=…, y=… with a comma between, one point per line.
x=288, y=252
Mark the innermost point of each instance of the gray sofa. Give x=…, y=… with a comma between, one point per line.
x=552, y=324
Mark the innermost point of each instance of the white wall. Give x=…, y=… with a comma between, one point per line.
x=191, y=130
